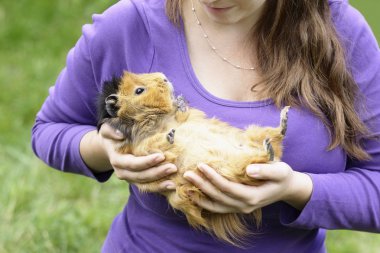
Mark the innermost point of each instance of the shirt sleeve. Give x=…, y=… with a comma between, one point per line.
x=116, y=41
x=351, y=199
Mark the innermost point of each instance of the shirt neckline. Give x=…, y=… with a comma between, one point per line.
x=185, y=58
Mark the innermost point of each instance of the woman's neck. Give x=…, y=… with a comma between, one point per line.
x=233, y=42
x=238, y=27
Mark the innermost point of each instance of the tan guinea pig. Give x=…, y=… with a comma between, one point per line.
x=144, y=109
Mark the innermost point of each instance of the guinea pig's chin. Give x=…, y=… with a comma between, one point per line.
x=173, y=98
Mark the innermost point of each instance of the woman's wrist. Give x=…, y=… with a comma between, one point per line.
x=93, y=152
x=300, y=190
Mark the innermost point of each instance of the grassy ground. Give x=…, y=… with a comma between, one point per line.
x=42, y=210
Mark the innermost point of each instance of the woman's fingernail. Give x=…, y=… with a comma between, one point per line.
x=201, y=167
x=171, y=170
x=253, y=170
x=158, y=157
x=187, y=175
x=119, y=133
x=169, y=185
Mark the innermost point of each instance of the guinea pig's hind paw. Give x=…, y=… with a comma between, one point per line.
x=284, y=119
x=268, y=147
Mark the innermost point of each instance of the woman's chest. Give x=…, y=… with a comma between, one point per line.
x=225, y=82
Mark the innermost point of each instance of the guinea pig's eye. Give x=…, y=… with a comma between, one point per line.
x=140, y=90
x=165, y=80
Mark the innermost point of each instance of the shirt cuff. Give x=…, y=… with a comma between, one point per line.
x=308, y=217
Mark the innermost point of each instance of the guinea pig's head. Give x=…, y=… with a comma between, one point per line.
x=136, y=97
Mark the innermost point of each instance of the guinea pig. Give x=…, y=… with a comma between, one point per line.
x=143, y=107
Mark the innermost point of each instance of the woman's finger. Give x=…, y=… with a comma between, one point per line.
x=215, y=207
x=167, y=185
x=276, y=171
x=136, y=163
x=232, y=189
x=210, y=190
x=148, y=175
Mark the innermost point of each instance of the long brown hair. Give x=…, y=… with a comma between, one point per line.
x=303, y=62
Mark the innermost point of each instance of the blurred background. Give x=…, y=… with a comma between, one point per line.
x=41, y=209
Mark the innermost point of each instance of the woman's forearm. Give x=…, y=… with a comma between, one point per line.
x=93, y=152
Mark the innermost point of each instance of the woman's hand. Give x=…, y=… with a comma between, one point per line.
x=142, y=169
x=279, y=183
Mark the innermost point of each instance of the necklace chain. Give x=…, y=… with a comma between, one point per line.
x=213, y=48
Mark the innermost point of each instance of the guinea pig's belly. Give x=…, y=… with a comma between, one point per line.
x=204, y=145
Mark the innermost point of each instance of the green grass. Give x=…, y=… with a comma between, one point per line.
x=41, y=209
x=370, y=10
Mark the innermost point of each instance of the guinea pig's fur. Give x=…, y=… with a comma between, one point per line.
x=144, y=109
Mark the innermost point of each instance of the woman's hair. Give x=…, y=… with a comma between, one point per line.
x=303, y=63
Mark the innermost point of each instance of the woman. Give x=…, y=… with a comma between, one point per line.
x=238, y=60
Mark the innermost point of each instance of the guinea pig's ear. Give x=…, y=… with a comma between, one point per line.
x=107, y=101
x=111, y=105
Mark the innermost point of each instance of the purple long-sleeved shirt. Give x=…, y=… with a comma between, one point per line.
x=136, y=35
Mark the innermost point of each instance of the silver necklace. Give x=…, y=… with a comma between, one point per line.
x=213, y=48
